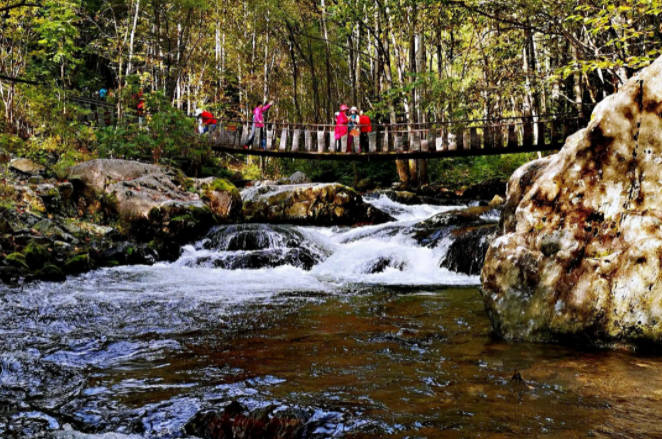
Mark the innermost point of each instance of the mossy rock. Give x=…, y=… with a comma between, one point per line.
x=77, y=264
x=51, y=273
x=17, y=259
x=36, y=255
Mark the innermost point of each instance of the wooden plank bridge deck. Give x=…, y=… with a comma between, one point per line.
x=400, y=141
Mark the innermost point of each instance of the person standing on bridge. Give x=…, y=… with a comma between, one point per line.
x=353, y=126
x=207, y=121
x=366, y=127
x=258, y=123
x=341, y=126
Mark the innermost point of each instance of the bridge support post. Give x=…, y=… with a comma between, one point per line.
x=332, y=141
x=270, y=138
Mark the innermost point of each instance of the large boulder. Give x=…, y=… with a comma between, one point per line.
x=309, y=204
x=150, y=198
x=579, y=256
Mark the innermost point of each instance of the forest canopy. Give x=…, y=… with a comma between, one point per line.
x=399, y=60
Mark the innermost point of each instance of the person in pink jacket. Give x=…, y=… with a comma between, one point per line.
x=258, y=123
x=341, y=125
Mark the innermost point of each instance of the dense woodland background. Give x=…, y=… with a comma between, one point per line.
x=400, y=60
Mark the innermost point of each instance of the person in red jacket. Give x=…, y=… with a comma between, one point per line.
x=207, y=121
x=366, y=127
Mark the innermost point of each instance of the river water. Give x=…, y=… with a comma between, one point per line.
x=359, y=330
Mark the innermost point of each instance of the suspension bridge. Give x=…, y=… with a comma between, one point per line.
x=471, y=137
x=400, y=141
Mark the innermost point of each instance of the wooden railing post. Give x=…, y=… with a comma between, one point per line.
x=296, y=137
x=397, y=142
x=527, y=135
x=270, y=137
x=441, y=142
x=283, y=139
x=475, y=139
x=512, y=137
x=385, y=140
x=498, y=137
x=343, y=143
x=372, y=142
x=320, y=141
x=426, y=139
x=331, y=136
x=308, y=139
x=541, y=134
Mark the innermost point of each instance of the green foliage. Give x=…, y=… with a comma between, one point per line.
x=465, y=171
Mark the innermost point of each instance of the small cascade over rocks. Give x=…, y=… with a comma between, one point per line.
x=251, y=246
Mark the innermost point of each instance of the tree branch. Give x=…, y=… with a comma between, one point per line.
x=23, y=4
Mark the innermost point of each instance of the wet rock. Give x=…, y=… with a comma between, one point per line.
x=35, y=179
x=222, y=197
x=252, y=246
x=78, y=264
x=485, y=190
x=466, y=232
x=466, y=253
x=496, y=201
x=235, y=422
x=581, y=237
x=382, y=263
x=365, y=184
x=66, y=190
x=50, y=273
x=298, y=178
x=26, y=166
x=310, y=204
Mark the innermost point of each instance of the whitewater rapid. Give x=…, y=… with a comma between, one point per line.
x=347, y=255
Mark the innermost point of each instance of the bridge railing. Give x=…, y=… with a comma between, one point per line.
x=529, y=133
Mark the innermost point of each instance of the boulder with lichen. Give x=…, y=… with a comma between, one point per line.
x=580, y=248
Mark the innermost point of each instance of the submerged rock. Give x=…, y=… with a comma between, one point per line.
x=309, y=204
x=236, y=422
x=581, y=235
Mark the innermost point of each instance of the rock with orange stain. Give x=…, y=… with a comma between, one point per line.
x=579, y=255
